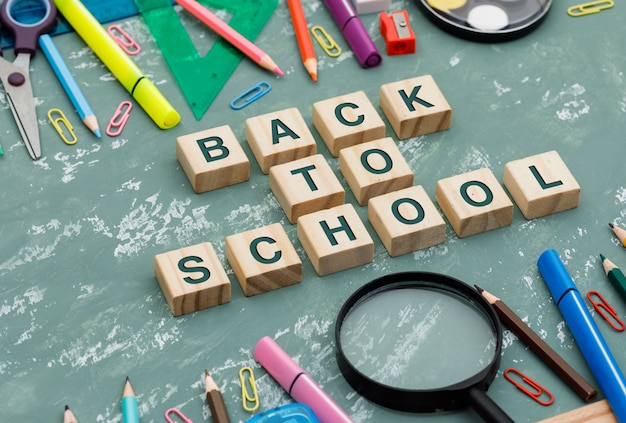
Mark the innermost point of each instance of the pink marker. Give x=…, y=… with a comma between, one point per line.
x=297, y=382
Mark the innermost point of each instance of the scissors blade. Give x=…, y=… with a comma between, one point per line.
x=22, y=104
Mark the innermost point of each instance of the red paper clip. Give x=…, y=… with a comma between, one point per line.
x=601, y=306
x=178, y=413
x=125, y=41
x=118, y=121
x=537, y=390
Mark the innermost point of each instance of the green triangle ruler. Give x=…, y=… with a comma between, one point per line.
x=201, y=78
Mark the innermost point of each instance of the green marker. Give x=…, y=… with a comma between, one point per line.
x=1, y=152
x=615, y=275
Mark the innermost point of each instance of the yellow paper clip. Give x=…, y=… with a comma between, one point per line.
x=250, y=402
x=589, y=8
x=62, y=125
x=327, y=42
x=125, y=41
x=118, y=121
x=177, y=413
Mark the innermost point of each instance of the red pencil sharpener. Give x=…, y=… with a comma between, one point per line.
x=398, y=35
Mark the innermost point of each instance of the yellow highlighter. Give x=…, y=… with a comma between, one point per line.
x=118, y=62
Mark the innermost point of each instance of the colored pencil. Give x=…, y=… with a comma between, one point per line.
x=619, y=233
x=615, y=275
x=130, y=407
x=69, y=84
x=229, y=34
x=68, y=416
x=215, y=400
x=539, y=347
x=305, y=44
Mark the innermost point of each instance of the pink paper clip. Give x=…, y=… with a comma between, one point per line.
x=118, y=121
x=537, y=390
x=178, y=413
x=125, y=41
x=603, y=307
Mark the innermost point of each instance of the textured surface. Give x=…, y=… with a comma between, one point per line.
x=80, y=308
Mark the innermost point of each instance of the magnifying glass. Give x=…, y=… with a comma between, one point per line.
x=486, y=20
x=421, y=342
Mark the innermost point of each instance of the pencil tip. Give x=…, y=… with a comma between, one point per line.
x=611, y=225
x=478, y=288
x=314, y=77
x=602, y=257
x=67, y=407
x=96, y=131
x=278, y=71
x=206, y=372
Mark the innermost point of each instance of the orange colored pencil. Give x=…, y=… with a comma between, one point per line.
x=305, y=44
x=620, y=233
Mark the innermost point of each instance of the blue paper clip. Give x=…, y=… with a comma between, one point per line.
x=253, y=94
x=178, y=413
x=118, y=121
x=59, y=123
x=124, y=40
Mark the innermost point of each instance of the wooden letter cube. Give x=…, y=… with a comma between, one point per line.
x=192, y=278
x=335, y=239
x=263, y=259
x=212, y=159
x=415, y=107
x=347, y=120
x=306, y=186
x=474, y=202
x=279, y=137
x=374, y=168
x=541, y=185
x=406, y=220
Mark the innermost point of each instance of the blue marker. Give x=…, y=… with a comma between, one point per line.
x=69, y=83
x=587, y=335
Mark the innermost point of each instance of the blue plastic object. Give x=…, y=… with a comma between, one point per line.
x=290, y=413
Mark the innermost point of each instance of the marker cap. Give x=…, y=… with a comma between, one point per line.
x=555, y=274
x=155, y=104
x=277, y=362
x=361, y=44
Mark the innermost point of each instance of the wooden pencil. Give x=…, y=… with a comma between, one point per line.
x=540, y=347
x=615, y=275
x=305, y=44
x=215, y=400
x=68, y=416
x=130, y=407
x=598, y=412
x=620, y=233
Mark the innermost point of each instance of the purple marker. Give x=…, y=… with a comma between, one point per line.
x=354, y=32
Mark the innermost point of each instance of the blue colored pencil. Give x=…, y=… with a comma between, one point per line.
x=69, y=83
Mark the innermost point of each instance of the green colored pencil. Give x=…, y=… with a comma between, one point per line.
x=615, y=275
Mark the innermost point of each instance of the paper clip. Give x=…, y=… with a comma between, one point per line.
x=589, y=8
x=118, y=121
x=602, y=306
x=537, y=390
x=125, y=41
x=178, y=413
x=253, y=94
x=250, y=402
x=61, y=119
x=327, y=42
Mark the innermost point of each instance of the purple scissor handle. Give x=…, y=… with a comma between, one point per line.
x=14, y=75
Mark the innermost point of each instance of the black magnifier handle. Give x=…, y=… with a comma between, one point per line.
x=484, y=406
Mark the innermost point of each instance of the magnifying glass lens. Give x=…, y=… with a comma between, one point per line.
x=417, y=338
x=421, y=342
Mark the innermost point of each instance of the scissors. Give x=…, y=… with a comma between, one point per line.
x=14, y=76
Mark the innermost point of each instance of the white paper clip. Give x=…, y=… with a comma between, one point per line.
x=125, y=41
x=253, y=94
